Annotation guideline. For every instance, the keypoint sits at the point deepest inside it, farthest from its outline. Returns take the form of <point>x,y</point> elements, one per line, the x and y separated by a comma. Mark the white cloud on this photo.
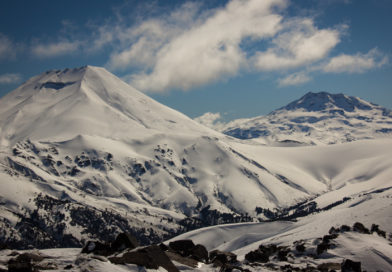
<point>199,51</point>
<point>358,63</point>
<point>294,79</point>
<point>211,120</point>
<point>299,44</point>
<point>55,49</point>
<point>7,48</point>
<point>10,78</point>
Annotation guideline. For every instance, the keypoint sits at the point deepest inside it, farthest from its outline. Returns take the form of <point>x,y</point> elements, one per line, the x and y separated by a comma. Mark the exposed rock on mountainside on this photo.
<point>85,156</point>
<point>317,118</point>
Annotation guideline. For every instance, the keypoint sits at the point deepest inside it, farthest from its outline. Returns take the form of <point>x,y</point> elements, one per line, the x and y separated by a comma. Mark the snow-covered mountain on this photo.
<point>316,118</point>
<point>84,155</point>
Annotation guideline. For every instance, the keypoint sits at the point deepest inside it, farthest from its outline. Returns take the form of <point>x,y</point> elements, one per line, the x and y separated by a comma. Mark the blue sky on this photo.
<point>239,58</point>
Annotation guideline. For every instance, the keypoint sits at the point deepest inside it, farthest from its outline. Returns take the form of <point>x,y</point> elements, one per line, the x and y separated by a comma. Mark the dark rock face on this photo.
<point>350,266</point>
<point>123,241</point>
<point>183,247</point>
<point>151,257</point>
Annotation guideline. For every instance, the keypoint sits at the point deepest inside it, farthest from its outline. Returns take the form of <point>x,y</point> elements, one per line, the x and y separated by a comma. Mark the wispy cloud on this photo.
<point>190,47</point>
<point>10,78</point>
<point>7,47</point>
<point>299,44</point>
<point>205,50</point>
<point>358,63</point>
<point>55,49</point>
<point>294,79</point>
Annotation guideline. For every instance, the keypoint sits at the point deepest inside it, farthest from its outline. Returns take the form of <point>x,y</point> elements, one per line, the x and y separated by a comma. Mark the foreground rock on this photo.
<point>122,241</point>
<point>151,257</point>
<point>351,266</point>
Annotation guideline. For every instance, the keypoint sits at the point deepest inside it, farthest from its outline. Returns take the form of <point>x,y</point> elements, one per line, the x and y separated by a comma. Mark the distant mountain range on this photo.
<point>83,155</point>
<point>316,118</point>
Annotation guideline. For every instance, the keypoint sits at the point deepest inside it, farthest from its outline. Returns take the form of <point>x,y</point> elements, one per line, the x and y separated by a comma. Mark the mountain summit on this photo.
<point>325,101</point>
<point>317,118</point>
<point>84,156</point>
<point>61,104</point>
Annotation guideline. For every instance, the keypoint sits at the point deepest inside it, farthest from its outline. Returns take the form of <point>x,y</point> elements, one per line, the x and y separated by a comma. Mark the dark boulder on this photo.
<point>375,228</point>
<point>359,227</point>
<point>183,247</point>
<point>221,257</point>
<point>282,254</point>
<point>3,246</point>
<point>322,247</point>
<point>328,267</point>
<point>329,237</point>
<point>188,261</point>
<point>124,241</point>
<point>268,249</point>
<point>97,248</point>
<point>199,253</point>
<point>21,263</point>
<point>350,266</point>
<point>151,257</point>
<point>333,230</point>
<point>300,248</point>
<point>163,247</point>
<point>257,256</point>
<point>345,228</point>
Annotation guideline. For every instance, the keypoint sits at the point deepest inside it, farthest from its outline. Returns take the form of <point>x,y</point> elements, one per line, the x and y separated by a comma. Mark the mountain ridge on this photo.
<point>85,100</point>
<point>105,158</point>
<point>316,118</point>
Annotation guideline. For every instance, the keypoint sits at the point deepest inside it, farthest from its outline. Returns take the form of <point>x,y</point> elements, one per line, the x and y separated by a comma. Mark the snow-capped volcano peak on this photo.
<point>84,101</point>
<point>326,101</point>
<point>317,118</point>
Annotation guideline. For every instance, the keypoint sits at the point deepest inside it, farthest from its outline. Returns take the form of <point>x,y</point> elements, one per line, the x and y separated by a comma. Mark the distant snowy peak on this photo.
<point>316,118</point>
<point>325,101</point>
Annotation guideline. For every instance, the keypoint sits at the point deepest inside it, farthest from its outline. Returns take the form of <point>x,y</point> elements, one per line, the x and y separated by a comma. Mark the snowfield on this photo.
<point>84,156</point>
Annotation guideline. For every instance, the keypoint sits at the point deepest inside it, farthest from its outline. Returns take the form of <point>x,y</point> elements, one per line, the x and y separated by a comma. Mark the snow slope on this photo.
<point>374,252</point>
<point>316,118</point>
<point>62,104</point>
<point>85,155</point>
